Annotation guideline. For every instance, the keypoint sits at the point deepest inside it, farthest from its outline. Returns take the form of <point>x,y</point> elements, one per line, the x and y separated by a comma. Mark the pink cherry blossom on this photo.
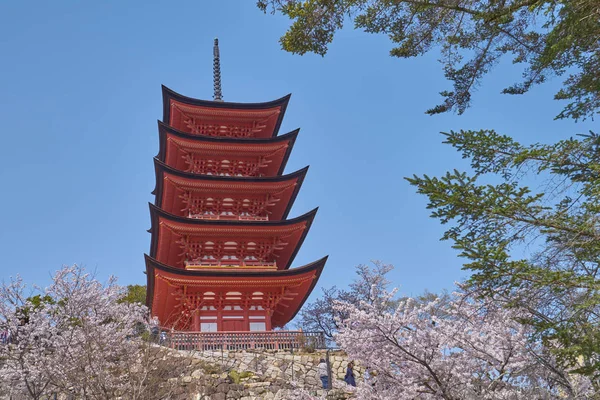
<point>462,350</point>
<point>79,338</point>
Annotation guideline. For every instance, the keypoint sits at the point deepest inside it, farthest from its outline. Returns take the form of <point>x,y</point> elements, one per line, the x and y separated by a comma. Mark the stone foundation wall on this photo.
<point>250,375</point>
<point>252,389</point>
<point>299,368</point>
<point>183,375</point>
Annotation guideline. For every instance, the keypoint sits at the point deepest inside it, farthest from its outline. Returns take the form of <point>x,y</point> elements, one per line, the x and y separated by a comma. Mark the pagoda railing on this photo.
<point>228,217</point>
<point>232,341</point>
<point>231,263</point>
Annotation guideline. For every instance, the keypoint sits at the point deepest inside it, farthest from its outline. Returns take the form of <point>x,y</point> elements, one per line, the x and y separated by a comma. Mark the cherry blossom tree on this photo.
<point>73,337</point>
<point>473,350</point>
<point>369,285</point>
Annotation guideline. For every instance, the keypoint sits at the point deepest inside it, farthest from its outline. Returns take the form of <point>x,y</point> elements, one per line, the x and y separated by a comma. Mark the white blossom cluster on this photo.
<point>73,337</point>
<point>462,350</point>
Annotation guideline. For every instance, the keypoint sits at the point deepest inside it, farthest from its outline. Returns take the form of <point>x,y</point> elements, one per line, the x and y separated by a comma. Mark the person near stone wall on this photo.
<point>322,369</point>
<point>349,378</point>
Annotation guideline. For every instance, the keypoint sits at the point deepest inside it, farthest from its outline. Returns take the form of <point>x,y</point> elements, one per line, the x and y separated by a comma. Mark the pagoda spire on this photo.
<point>218,95</point>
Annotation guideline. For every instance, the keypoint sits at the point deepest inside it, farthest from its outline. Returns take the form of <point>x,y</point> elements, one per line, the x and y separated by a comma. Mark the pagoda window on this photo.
<point>258,326</point>
<point>208,327</point>
<point>257,296</point>
<point>233,308</point>
<point>208,296</point>
<point>233,296</point>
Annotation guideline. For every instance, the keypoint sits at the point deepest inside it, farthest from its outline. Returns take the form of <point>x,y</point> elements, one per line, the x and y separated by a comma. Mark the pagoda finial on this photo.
<point>218,96</point>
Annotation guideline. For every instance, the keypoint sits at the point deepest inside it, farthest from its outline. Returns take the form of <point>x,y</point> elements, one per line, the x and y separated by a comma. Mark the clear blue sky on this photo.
<point>80,84</point>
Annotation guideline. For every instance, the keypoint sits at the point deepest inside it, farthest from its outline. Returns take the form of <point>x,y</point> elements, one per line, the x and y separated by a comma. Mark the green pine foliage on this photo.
<point>135,294</point>
<point>537,248</point>
<point>549,37</point>
<point>525,218</point>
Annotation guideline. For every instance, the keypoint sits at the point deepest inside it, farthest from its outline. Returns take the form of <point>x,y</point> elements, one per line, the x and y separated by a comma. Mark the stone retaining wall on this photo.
<point>270,375</point>
<point>183,375</point>
<point>299,368</point>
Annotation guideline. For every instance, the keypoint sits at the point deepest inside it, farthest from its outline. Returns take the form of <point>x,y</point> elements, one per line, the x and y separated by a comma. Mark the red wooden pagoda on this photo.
<point>222,245</point>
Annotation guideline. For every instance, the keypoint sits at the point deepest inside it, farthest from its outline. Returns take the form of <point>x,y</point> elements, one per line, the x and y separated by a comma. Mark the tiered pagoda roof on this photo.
<point>224,155</point>
<point>218,118</point>
<point>177,240</point>
<point>282,291</point>
<point>218,197</point>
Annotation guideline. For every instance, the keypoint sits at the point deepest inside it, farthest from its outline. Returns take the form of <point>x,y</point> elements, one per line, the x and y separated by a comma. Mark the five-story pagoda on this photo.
<point>222,245</point>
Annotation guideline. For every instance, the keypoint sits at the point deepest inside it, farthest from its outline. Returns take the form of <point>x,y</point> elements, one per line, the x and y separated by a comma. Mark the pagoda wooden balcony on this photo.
<point>233,341</point>
<point>226,217</point>
<point>242,264</point>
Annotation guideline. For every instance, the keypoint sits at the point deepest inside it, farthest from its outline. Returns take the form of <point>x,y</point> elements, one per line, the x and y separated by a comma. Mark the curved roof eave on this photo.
<point>152,264</point>
<point>164,129</point>
<point>318,265</point>
<point>156,212</point>
<point>311,288</point>
<point>160,167</point>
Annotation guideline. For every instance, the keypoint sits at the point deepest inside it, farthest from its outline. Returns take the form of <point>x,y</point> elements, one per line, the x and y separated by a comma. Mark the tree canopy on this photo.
<point>549,37</point>
<point>474,349</point>
<point>533,248</point>
<point>73,337</point>
<point>135,294</point>
<point>369,286</point>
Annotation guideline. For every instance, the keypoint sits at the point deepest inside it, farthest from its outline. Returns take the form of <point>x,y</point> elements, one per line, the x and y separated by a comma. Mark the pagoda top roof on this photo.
<point>297,228</point>
<point>278,106</point>
<point>303,279</point>
<point>290,184</point>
